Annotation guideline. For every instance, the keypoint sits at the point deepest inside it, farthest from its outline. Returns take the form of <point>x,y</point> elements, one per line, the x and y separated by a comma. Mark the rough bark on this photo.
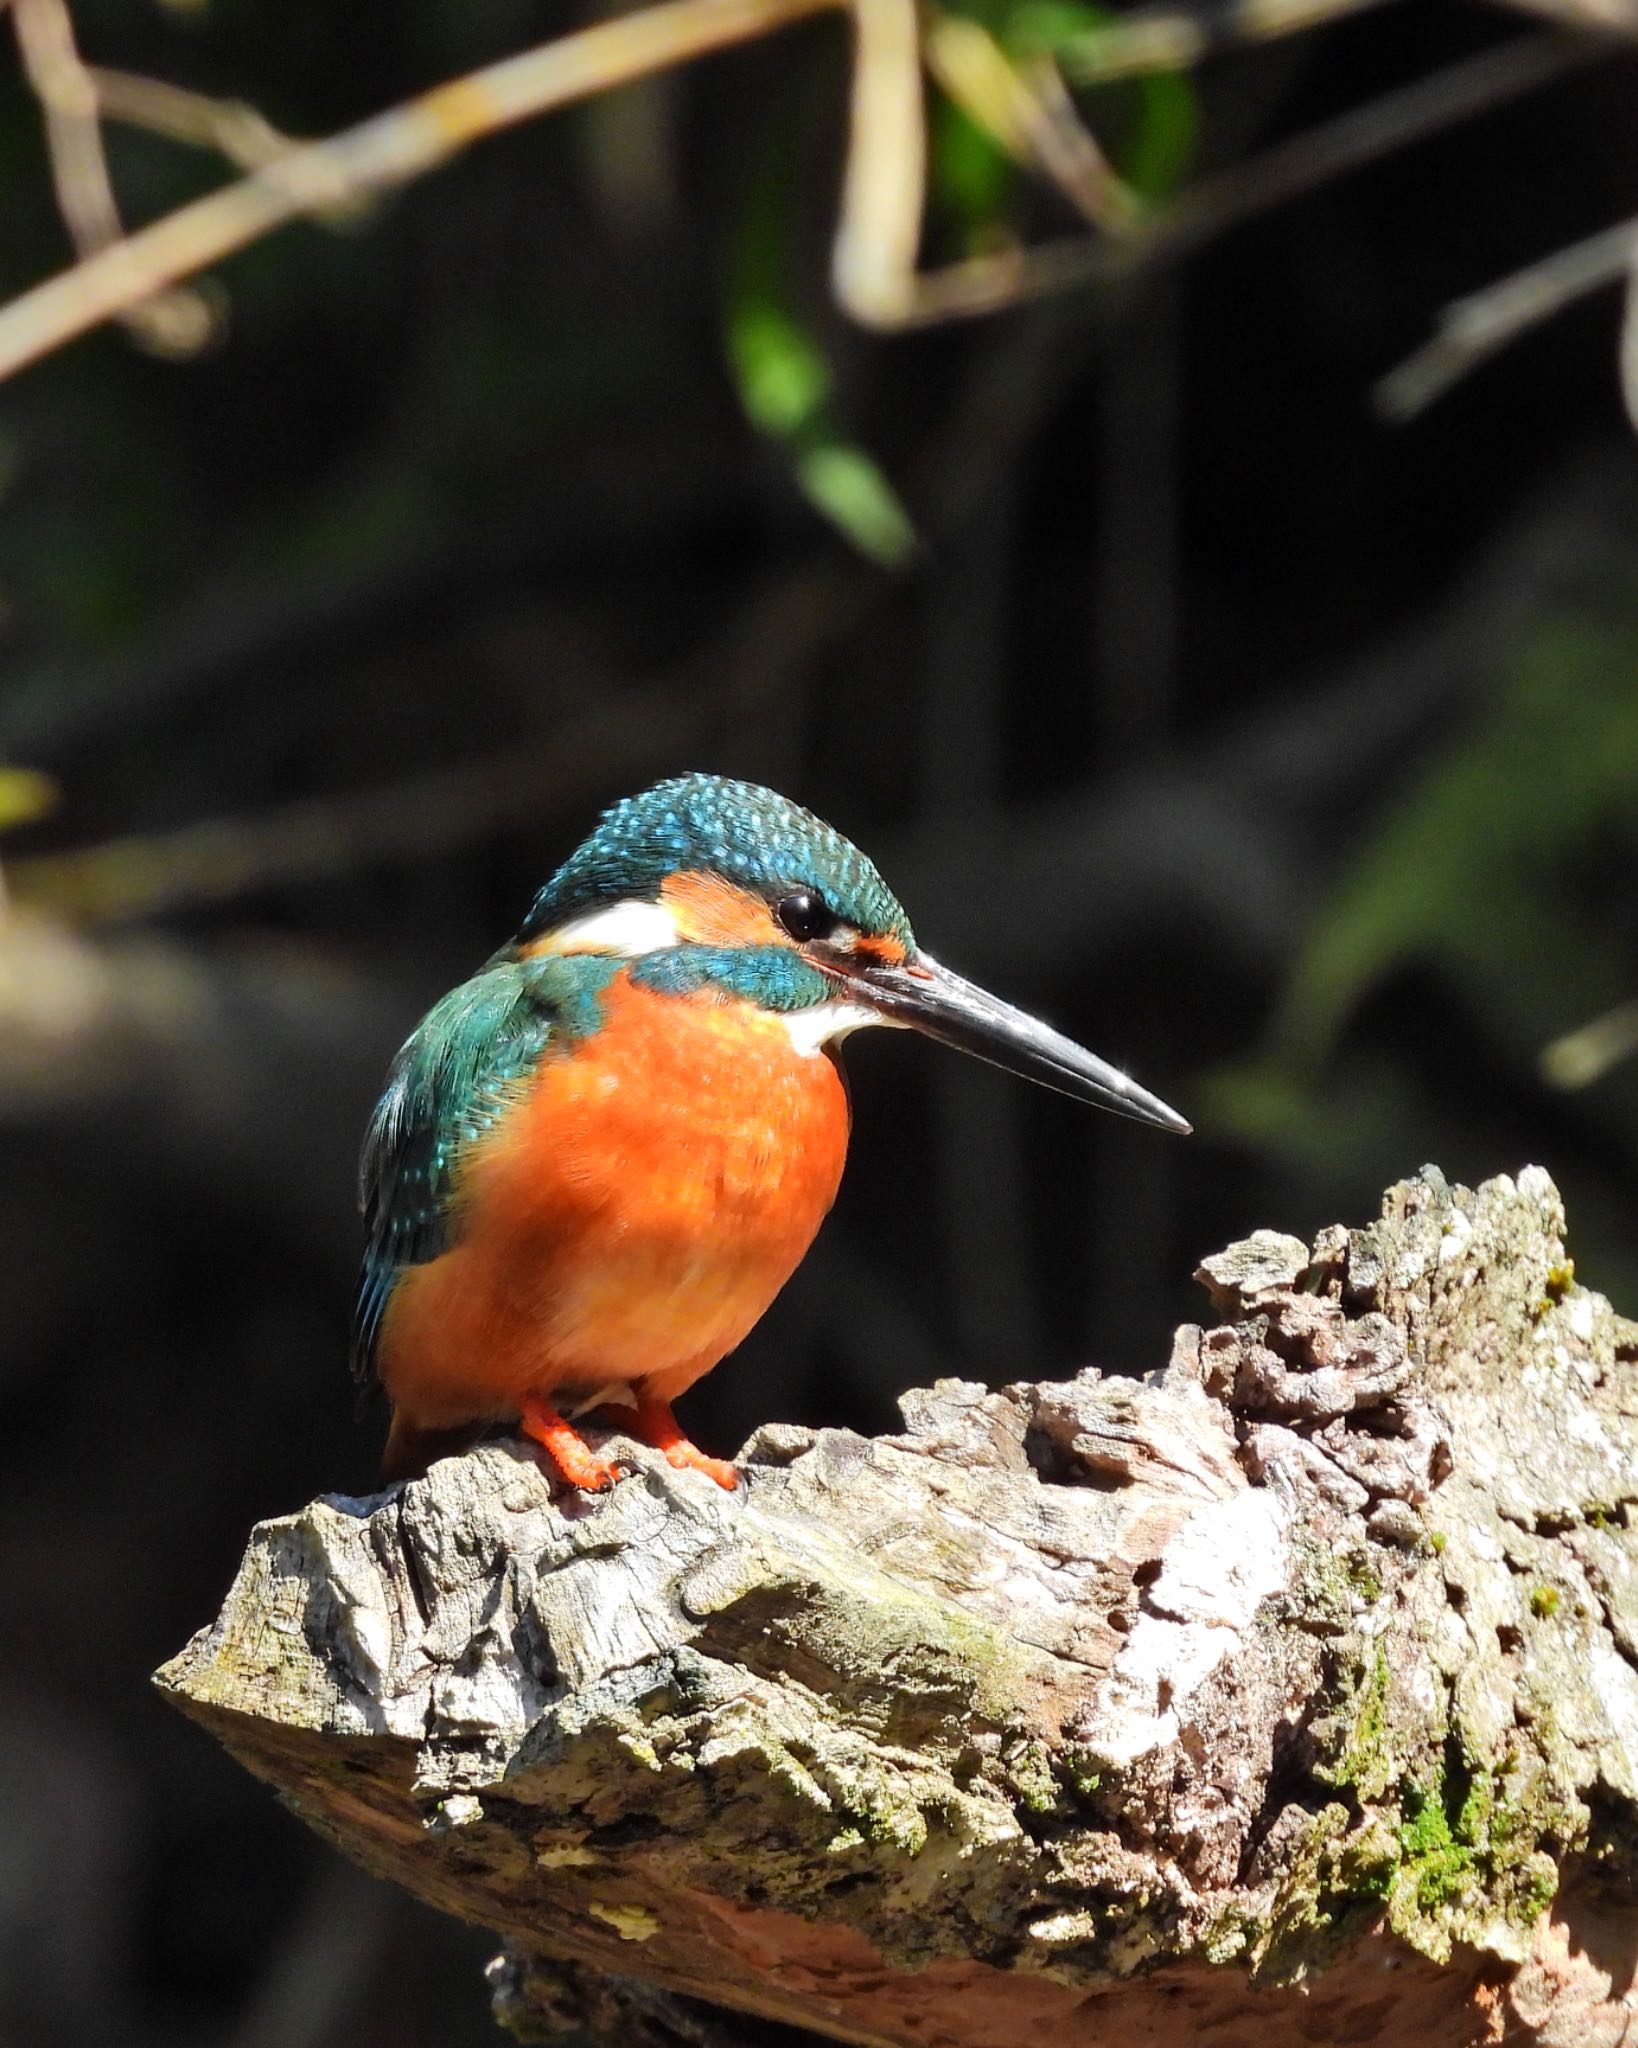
<point>1290,1693</point>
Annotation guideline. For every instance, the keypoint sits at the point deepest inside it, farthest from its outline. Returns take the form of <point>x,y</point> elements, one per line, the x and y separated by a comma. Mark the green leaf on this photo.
<point>1161,150</point>
<point>849,488</point>
<point>786,385</point>
<point>1155,129</point>
<point>25,794</point>
<point>782,377</point>
<point>972,175</point>
<point>1043,27</point>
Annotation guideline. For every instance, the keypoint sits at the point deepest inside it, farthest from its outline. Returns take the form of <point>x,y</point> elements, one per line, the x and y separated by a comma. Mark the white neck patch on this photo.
<point>823,1024</point>
<point>628,929</point>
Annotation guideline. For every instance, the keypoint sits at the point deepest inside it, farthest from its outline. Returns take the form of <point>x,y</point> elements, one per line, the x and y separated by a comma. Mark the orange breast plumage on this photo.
<point>637,1206</point>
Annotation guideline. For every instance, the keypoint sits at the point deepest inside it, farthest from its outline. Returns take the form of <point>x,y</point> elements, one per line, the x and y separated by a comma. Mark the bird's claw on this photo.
<point>687,1457</point>
<point>568,1455</point>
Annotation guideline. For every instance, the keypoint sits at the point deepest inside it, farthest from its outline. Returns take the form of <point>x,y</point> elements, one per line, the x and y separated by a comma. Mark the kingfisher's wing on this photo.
<point>445,1091</point>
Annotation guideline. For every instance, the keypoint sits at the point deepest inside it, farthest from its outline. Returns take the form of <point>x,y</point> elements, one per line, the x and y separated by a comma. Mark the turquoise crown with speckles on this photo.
<point>708,824</point>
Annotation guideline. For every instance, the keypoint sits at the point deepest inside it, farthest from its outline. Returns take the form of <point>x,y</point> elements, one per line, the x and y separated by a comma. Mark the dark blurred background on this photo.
<point>1283,755</point>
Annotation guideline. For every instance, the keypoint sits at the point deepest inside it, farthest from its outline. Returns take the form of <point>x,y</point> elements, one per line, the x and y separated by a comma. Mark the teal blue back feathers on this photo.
<point>446,1088</point>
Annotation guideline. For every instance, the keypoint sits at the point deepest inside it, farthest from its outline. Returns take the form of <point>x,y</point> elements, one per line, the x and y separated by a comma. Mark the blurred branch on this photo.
<point>175,321</point>
<point>1168,38</point>
<point>874,266</point>
<point>1028,111</point>
<point>876,280</point>
<point>1629,347</point>
<point>1588,1053</point>
<point>236,131</point>
<point>1617,17</point>
<point>628,738</point>
<point>1214,204</point>
<point>388,150</point>
<point>1475,328</point>
<point>1365,134</point>
<point>25,795</point>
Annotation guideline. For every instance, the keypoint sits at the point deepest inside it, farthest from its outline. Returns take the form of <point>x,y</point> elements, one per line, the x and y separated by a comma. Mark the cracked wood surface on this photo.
<point>1290,1692</point>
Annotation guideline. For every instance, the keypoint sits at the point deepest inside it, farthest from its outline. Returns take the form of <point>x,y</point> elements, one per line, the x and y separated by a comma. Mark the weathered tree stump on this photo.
<point>1287,1695</point>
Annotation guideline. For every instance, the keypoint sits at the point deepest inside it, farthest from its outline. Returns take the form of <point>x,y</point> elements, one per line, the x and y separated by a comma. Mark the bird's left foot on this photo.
<point>655,1425</point>
<point>572,1457</point>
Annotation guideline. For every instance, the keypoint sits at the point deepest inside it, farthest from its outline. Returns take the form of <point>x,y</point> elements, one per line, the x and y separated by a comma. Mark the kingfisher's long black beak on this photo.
<point>930,999</point>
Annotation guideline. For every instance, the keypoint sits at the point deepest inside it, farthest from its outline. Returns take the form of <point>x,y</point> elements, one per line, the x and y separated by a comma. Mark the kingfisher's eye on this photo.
<point>806,915</point>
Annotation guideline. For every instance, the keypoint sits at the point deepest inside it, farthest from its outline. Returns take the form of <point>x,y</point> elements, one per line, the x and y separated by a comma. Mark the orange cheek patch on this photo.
<point>712,911</point>
<point>880,951</point>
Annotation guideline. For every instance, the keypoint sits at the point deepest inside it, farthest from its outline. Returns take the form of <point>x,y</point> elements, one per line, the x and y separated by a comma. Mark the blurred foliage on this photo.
<point>1577,1059</point>
<point>783,373</point>
<point>1150,127</point>
<point>1479,869</point>
<point>1149,124</point>
<point>972,176</point>
<point>786,386</point>
<point>25,796</point>
<point>1497,878</point>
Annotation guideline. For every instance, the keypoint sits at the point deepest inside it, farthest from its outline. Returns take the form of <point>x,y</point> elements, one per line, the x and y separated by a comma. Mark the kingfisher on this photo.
<point>597,1162</point>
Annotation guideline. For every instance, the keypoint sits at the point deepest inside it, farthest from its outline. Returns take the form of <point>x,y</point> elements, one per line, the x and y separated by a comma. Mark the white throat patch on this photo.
<point>825,1023</point>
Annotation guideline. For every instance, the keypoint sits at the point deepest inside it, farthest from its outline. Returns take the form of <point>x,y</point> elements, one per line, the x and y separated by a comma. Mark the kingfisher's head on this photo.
<point>707,883</point>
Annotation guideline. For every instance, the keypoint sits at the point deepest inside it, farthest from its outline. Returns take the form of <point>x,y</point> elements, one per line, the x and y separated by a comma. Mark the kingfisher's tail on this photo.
<point>411,1449</point>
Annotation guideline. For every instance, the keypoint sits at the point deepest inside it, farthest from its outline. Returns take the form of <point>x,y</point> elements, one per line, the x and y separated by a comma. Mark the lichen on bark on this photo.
<point>1111,1707</point>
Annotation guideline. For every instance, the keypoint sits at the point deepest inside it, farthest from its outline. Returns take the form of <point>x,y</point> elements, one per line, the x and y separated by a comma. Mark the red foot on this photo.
<point>655,1424</point>
<point>568,1450</point>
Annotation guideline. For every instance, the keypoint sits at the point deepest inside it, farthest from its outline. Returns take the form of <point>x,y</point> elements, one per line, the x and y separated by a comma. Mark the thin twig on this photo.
<point>1586,1055</point>
<point>1475,328</point>
<point>171,322</point>
<point>884,184</point>
<point>1601,17</point>
<point>874,266</point>
<point>234,130</point>
<point>1067,153</point>
<point>377,155</point>
<point>1168,38</point>
<point>1365,134</point>
<point>1215,204</point>
<point>1629,348</point>
<point>628,738</point>
<point>1028,111</point>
